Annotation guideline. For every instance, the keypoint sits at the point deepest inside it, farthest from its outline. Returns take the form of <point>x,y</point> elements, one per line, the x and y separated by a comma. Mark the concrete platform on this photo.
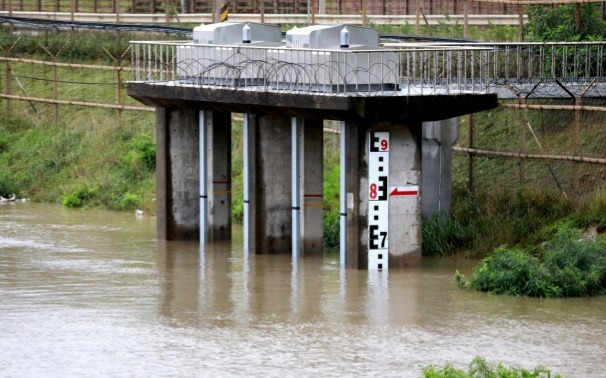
<point>371,108</point>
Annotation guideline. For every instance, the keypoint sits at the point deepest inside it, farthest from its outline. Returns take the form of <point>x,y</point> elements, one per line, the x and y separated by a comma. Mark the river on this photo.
<point>89,292</point>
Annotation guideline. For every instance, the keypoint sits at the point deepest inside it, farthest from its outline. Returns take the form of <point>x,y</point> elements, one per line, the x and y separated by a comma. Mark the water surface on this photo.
<point>93,293</point>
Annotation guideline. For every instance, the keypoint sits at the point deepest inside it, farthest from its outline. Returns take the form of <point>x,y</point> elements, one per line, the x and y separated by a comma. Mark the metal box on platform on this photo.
<point>335,58</point>
<point>222,64</point>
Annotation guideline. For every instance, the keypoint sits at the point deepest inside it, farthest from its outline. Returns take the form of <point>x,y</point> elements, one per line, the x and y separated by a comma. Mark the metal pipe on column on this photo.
<point>246,168</point>
<point>296,126</point>
<point>342,197</point>
<point>203,150</point>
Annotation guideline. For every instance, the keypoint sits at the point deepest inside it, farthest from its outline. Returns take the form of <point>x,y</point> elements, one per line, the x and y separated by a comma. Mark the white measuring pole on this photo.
<point>203,148</point>
<point>343,197</point>
<point>296,126</point>
<point>378,204</point>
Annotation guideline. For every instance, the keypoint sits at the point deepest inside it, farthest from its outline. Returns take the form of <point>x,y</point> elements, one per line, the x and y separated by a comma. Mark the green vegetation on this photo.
<point>81,161</point>
<point>480,368</point>
<point>565,266</point>
<point>482,221</point>
<point>449,29</point>
<point>559,24</point>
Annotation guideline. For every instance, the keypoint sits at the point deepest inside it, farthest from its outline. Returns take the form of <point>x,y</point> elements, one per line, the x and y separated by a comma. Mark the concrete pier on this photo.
<point>271,188</point>
<point>438,139</point>
<point>311,184</point>
<point>177,174</point>
<point>395,241</point>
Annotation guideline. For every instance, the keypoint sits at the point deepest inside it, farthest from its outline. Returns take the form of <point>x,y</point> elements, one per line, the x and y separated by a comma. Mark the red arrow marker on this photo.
<point>411,190</point>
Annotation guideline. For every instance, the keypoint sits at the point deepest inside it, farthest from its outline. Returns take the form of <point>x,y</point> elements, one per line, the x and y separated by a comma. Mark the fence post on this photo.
<point>7,88</point>
<point>118,64</point>
<point>470,161</point>
<point>522,141</point>
<point>576,145</point>
<point>466,19</point>
<point>418,18</point>
<point>521,22</point>
<point>7,74</point>
<point>55,78</point>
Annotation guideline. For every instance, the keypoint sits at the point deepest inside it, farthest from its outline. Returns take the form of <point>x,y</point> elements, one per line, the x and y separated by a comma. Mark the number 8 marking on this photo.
<point>373,191</point>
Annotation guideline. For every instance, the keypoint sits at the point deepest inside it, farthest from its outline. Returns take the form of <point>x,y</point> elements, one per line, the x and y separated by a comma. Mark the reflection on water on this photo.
<point>93,292</point>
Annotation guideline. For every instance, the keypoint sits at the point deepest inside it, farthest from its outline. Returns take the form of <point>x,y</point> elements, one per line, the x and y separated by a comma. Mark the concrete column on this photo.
<point>404,220</point>
<point>270,184</point>
<point>177,174</point>
<point>356,179</point>
<point>438,139</point>
<point>404,211</point>
<point>219,175</point>
<point>312,189</point>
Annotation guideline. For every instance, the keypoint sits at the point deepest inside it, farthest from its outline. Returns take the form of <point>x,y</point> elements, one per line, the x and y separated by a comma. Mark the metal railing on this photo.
<point>508,69</point>
<point>541,70</point>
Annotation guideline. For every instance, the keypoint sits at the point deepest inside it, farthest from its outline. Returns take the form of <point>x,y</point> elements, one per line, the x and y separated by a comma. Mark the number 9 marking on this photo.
<point>384,145</point>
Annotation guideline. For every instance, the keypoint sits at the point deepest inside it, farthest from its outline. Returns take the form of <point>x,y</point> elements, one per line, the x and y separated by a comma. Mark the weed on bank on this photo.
<point>480,368</point>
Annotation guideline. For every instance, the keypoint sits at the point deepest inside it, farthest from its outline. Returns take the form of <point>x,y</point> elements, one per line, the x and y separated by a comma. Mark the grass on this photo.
<point>482,221</point>
<point>480,368</point>
<point>449,29</point>
<point>80,161</point>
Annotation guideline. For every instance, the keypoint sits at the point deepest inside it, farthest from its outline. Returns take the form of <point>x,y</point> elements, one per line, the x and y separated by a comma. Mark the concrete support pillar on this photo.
<point>219,175</point>
<point>177,174</point>
<point>354,247</point>
<point>438,139</point>
<point>401,189</point>
<point>311,169</point>
<point>269,223</point>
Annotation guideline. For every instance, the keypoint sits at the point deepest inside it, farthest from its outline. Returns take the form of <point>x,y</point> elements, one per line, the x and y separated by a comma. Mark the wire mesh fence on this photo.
<point>571,143</point>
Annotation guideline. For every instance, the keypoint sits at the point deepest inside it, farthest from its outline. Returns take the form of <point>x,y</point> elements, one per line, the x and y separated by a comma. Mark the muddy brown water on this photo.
<point>93,293</point>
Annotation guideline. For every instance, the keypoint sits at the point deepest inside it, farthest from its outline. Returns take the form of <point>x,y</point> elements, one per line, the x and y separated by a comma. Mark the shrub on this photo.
<point>145,146</point>
<point>6,184</point>
<point>79,196</point>
<point>141,156</point>
<point>570,267</point>
<point>130,201</point>
<point>332,229</point>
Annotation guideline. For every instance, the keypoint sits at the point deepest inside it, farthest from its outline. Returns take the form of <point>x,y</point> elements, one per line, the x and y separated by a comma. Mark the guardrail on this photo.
<point>508,69</point>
